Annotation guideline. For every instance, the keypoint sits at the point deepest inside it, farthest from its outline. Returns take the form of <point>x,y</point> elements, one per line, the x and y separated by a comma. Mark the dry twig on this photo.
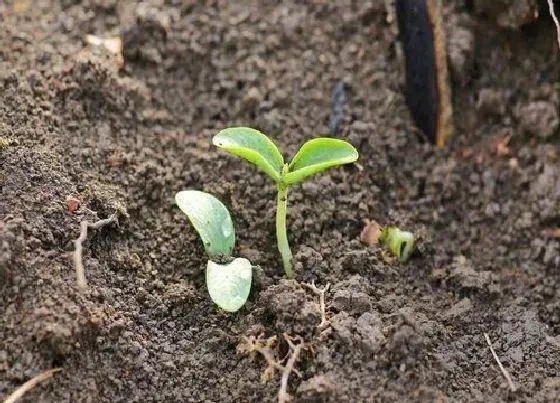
<point>283,395</point>
<point>555,19</point>
<point>30,384</point>
<point>321,292</point>
<point>84,226</point>
<point>504,372</point>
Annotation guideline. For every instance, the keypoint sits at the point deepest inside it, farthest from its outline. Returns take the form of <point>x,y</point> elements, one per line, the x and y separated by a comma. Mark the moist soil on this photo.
<point>123,134</point>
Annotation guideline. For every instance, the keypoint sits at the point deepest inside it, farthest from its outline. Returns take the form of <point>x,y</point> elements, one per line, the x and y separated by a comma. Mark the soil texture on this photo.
<point>85,133</point>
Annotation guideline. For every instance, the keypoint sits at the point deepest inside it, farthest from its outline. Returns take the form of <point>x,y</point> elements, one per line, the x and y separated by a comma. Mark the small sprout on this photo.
<point>313,157</point>
<point>400,243</point>
<point>228,281</point>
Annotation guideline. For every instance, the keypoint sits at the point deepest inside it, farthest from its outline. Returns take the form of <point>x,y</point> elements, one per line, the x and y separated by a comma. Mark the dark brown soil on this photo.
<point>72,123</point>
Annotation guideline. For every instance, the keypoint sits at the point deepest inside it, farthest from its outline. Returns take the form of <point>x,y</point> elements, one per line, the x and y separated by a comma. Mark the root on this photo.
<point>555,19</point>
<point>84,226</point>
<point>295,349</point>
<point>504,372</point>
<point>30,384</point>
<point>252,345</point>
<point>321,292</point>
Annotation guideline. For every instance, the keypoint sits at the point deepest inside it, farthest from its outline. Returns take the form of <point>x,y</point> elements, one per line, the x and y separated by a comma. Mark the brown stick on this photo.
<point>321,292</point>
<point>555,19</point>
<point>504,372</point>
<point>30,384</point>
<point>84,225</point>
<point>283,395</point>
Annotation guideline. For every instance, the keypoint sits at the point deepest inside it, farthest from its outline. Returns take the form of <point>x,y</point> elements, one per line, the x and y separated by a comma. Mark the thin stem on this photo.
<point>281,234</point>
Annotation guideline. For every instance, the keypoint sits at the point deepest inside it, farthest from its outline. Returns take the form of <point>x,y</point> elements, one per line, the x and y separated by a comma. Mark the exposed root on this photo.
<point>321,292</point>
<point>84,226</point>
<point>504,372</point>
<point>252,345</point>
<point>30,384</point>
<point>555,19</point>
<point>295,349</point>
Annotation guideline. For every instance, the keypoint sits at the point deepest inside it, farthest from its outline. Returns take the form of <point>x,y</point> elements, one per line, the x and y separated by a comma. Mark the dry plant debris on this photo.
<point>553,233</point>
<point>113,44</point>
<point>295,349</point>
<point>321,293</point>
<point>30,384</point>
<point>252,345</point>
<point>504,372</point>
<point>78,263</point>
<point>555,19</point>
<point>370,233</point>
<point>501,145</point>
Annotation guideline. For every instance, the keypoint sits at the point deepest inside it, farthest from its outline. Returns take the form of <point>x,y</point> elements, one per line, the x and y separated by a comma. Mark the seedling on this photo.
<point>400,243</point>
<point>228,279</point>
<point>314,156</point>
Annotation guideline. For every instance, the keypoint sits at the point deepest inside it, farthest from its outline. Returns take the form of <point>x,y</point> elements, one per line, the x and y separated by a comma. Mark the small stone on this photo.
<point>351,301</point>
<point>468,277</point>
<point>459,309</point>
<point>513,164</point>
<point>316,387</point>
<point>344,327</point>
<point>490,102</point>
<point>369,327</point>
<point>253,96</point>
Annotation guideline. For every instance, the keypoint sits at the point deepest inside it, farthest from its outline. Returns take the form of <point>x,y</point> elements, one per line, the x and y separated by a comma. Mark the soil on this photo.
<point>122,136</point>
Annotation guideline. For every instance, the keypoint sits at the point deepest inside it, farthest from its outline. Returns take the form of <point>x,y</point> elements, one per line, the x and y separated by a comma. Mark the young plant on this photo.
<point>314,156</point>
<point>400,243</point>
<point>228,280</point>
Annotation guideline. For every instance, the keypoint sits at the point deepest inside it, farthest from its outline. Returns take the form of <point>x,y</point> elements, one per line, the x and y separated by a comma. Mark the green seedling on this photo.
<point>228,280</point>
<point>400,243</point>
<point>314,156</point>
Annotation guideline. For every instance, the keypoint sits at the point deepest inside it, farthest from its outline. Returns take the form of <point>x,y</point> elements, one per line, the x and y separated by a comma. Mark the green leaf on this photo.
<point>229,284</point>
<point>253,146</point>
<point>317,155</point>
<point>211,219</point>
<point>400,243</point>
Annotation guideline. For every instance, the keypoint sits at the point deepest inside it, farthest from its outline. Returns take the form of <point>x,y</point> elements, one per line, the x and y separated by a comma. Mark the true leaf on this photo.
<point>211,220</point>
<point>229,284</point>
<point>317,155</point>
<point>253,146</point>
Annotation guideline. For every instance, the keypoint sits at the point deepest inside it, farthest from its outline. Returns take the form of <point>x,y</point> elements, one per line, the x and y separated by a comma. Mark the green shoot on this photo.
<point>400,243</point>
<point>228,280</point>
<point>313,157</point>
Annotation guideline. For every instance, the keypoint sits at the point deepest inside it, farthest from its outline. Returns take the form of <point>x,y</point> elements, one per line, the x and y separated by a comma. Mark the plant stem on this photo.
<point>281,234</point>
